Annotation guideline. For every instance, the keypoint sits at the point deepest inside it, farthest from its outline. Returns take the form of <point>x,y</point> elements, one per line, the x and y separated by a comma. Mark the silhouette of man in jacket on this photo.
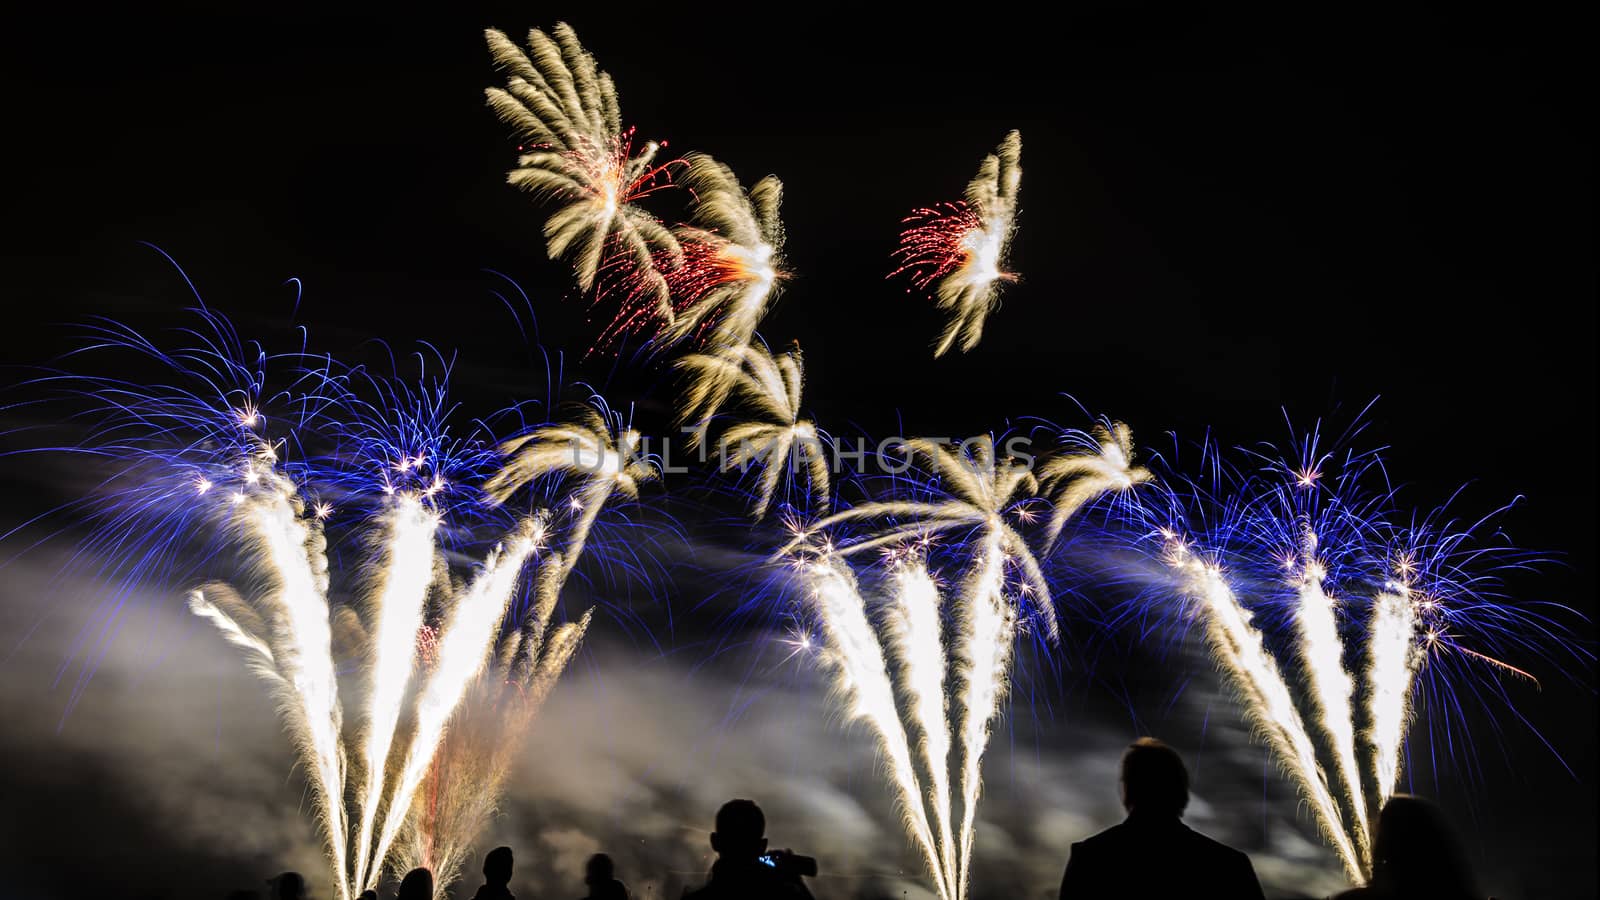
<point>1152,853</point>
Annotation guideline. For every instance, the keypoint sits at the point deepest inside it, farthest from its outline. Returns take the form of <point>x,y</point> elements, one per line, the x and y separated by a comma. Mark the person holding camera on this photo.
<point>744,870</point>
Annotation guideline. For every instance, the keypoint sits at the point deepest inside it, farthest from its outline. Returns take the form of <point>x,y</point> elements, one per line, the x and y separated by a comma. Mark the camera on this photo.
<point>790,864</point>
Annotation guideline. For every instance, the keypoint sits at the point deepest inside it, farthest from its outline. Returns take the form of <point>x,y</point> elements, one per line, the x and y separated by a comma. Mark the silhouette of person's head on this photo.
<point>497,867</point>
<point>288,886</point>
<point>1154,780</point>
<point>417,885</point>
<point>599,870</point>
<point>741,831</point>
<point>368,894</point>
<point>1417,853</point>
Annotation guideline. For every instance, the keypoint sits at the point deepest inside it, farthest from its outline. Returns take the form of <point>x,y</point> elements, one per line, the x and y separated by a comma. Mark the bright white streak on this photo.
<point>1392,664</point>
<point>293,554</point>
<point>1331,688</point>
<point>1237,648</point>
<point>863,679</point>
<point>408,570</point>
<point>918,648</point>
<point>983,649</point>
<point>982,267</point>
<point>261,660</point>
<point>464,645</point>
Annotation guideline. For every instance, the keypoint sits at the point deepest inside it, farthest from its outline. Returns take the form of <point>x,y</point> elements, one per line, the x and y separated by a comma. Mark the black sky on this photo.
<point>1225,217</point>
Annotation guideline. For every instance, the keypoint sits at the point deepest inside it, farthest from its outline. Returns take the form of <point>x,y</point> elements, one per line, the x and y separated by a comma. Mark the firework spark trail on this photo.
<point>293,553</point>
<point>1237,647</point>
<point>407,572</point>
<point>1393,661</point>
<point>1332,688</point>
<point>963,246</point>
<point>863,678</point>
<point>983,647</point>
<point>464,646</point>
<point>917,644</point>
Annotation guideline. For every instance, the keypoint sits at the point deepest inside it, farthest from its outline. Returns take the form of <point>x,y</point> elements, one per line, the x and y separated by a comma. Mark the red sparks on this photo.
<point>705,265</point>
<point>606,180</point>
<point>428,644</point>
<point>937,242</point>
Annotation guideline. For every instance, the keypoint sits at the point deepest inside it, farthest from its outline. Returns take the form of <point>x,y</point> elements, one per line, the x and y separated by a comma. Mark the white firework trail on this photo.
<point>917,644</point>
<point>293,553</point>
<point>855,654</point>
<point>1332,687</point>
<point>464,645</point>
<point>1393,660</point>
<point>1238,649</point>
<point>407,571</point>
<point>204,604</point>
<point>983,648</point>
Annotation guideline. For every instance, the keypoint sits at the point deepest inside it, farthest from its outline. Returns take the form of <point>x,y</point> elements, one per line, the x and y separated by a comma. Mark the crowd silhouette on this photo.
<point>1150,854</point>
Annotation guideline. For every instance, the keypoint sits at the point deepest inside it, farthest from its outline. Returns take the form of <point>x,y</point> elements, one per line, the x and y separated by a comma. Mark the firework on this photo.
<point>771,385</point>
<point>1301,554</point>
<point>940,798</point>
<point>579,155</point>
<point>1394,655</point>
<point>982,490</point>
<point>1332,688</point>
<point>465,783</point>
<point>1238,649</point>
<point>595,446</point>
<point>1074,479</point>
<point>961,248</point>
<point>200,442</point>
<point>857,657</point>
<point>407,571</point>
<point>732,256</point>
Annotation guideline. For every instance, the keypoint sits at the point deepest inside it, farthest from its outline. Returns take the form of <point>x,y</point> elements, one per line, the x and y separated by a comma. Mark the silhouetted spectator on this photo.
<point>1152,853</point>
<point>739,872</point>
<point>288,886</point>
<point>417,885</point>
<point>368,894</point>
<point>496,876</point>
<point>1416,854</point>
<point>600,874</point>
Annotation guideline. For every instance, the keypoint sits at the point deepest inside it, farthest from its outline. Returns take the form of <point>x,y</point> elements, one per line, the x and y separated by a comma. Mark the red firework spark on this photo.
<point>937,242</point>
<point>606,171</point>
<point>428,645</point>
<point>636,290</point>
<point>704,265</point>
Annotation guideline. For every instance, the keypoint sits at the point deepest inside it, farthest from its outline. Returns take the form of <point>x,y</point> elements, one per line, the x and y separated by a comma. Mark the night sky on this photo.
<point>1226,220</point>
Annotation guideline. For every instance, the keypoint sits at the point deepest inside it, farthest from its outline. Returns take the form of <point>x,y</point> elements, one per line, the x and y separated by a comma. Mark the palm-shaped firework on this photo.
<point>732,250</point>
<point>771,385</point>
<point>962,247</point>
<point>982,490</point>
<point>596,447</point>
<point>578,154</point>
<point>1073,479</point>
